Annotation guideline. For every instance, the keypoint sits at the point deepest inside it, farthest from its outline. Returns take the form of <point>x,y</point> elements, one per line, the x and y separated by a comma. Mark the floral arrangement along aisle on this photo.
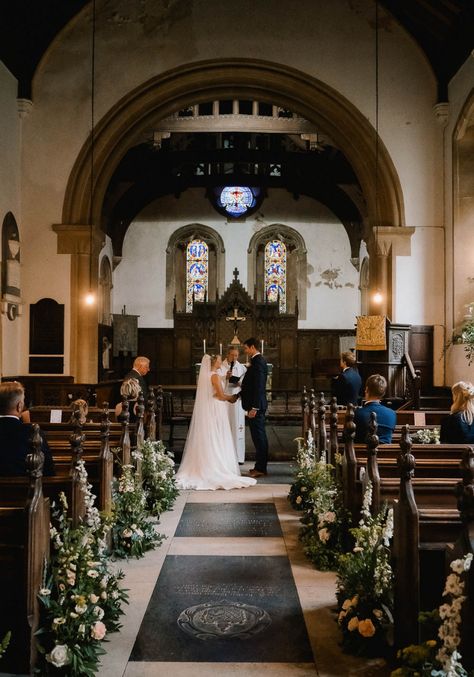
<point>158,477</point>
<point>317,492</point>
<point>365,584</point>
<point>81,598</point>
<point>441,658</point>
<point>132,531</point>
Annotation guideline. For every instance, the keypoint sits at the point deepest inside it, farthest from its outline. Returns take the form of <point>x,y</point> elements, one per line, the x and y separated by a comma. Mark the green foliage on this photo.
<point>365,585</point>
<point>426,436</point>
<point>158,477</point>
<point>4,643</point>
<point>303,483</point>
<point>325,521</point>
<point>81,599</point>
<point>132,532</point>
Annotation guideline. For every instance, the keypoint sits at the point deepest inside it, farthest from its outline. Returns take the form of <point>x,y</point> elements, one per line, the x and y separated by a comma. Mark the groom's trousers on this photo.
<point>259,439</point>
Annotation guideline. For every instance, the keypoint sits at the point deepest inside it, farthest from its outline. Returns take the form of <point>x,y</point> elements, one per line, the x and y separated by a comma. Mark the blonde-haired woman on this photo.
<point>130,389</point>
<point>458,428</point>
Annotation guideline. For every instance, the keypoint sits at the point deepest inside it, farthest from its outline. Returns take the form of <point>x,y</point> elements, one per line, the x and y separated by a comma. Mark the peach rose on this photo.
<point>98,630</point>
<point>353,624</point>
<point>366,628</point>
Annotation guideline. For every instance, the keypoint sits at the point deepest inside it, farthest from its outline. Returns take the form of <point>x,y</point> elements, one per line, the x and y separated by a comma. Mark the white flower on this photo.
<point>59,621</point>
<point>330,516</point>
<point>98,612</point>
<point>80,608</point>
<point>103,595</point>
<point>92,573</point>
<point>126,533</point>
<point>45,592</point>
<point>59,656</point>
<point>93,598</point>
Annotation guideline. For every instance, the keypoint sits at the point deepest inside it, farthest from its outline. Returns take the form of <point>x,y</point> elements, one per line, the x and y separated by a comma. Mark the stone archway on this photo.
<point>198,82</point>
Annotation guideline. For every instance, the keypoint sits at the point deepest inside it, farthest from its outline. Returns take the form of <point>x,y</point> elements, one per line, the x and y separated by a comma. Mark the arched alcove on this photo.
<point>176,264</point>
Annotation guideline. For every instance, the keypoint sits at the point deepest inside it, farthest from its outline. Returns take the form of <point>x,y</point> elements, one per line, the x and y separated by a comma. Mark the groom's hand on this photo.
<point>252,413</point>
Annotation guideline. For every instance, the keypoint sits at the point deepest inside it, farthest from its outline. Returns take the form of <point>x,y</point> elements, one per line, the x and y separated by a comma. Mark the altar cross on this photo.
<point>235,318</point>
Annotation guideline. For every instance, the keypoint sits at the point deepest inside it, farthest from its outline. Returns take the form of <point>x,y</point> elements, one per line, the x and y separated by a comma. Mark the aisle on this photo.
<point>230,593</point>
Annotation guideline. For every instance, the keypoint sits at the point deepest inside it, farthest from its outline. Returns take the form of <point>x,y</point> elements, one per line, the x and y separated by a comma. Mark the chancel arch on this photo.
<point>130,120</point>
<point>296,265</point>
<point>176,264</point>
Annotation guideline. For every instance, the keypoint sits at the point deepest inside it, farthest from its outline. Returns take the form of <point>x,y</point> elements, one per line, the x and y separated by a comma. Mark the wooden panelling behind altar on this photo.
<point>299,357</point>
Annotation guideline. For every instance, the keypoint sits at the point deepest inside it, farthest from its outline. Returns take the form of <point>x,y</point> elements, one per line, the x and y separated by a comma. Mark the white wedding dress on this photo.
<point>209,460</point>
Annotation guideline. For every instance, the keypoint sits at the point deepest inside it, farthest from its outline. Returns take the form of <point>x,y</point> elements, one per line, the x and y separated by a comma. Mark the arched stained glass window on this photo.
<point>275,272</point>
<point>197,272</point>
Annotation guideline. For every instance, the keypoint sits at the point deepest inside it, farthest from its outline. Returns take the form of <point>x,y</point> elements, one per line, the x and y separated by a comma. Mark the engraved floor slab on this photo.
<point>224,609</point>
<point>229,519</point>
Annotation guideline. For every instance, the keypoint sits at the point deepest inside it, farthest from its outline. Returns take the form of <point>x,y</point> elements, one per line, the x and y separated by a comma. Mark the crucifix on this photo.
<point>235,319</point>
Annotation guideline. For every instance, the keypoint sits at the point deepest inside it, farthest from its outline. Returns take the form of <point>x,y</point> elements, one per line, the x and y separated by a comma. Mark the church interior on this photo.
<point>177,176</point>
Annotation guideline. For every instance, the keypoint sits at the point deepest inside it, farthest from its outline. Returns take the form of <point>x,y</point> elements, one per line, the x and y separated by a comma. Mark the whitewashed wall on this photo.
<point>140,278</point>
<point>10,136</point>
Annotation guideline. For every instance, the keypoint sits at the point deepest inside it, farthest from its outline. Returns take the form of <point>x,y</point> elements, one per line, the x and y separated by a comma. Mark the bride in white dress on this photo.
<point>209,459</point>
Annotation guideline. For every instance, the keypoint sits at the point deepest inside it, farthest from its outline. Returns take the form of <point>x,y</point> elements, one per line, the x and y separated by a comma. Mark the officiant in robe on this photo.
<point>232,373</point>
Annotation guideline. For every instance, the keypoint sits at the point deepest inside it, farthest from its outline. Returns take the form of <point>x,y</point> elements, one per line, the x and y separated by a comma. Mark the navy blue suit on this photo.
<point>253,396</point>
<point>454,430</point>
<point>15,445</point>
<point>347,387</point>
<point>133,373</point>
<point>386,422</point>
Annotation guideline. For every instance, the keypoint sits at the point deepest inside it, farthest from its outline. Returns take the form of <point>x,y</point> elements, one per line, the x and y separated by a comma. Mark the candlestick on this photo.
<point>204,346</point>
<point>261,346</point>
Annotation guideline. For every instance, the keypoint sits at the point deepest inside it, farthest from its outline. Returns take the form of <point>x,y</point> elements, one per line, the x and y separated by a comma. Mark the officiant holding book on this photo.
<point>232,373</point>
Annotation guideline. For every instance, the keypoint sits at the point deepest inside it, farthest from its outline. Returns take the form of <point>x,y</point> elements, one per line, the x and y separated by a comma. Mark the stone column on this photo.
<point>76,240</point>
<point>386,244</point>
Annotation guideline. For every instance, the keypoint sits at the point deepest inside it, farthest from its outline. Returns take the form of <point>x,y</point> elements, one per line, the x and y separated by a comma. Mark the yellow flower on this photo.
<point>346,604</point>
<point>298,500</point>
<point>431,642</point>
<point>355,600</point>
<point>366,628</point>
<point>342,615</point>
<point>353,624</point>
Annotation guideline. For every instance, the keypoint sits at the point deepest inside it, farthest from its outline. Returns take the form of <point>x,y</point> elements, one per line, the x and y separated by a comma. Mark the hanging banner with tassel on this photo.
<point>370,332</point>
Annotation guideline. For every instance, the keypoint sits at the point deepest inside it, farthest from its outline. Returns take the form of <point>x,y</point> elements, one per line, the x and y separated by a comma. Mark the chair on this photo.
<point>170,418</point>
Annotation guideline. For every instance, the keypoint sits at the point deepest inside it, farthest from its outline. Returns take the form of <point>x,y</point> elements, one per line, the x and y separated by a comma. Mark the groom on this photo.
<point>254,402</point>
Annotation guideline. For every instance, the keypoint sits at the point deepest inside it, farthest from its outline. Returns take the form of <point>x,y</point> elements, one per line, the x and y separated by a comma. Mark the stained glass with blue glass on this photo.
<point>237,200</point>
<point>197,272</point>
<point>275,273</point>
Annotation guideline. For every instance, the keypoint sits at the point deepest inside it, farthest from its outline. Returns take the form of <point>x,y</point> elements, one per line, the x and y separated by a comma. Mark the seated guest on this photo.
<point>130,389</point>
<point>458,428</point>
<point>347,386</point>
<point>82,407</point>
<point>375,388</point>
<point>15,436</point>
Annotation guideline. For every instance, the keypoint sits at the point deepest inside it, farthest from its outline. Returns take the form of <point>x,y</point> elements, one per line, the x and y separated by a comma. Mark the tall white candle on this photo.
<point>220,348</point>
<point>261,346</point>
<point>204,346</point>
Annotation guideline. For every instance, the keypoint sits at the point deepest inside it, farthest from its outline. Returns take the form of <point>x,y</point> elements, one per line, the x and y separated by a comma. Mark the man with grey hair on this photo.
<point>15,436</point>
<point>141,367</point>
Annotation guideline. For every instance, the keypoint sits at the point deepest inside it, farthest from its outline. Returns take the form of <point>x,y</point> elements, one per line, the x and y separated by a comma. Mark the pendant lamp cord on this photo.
<point>376,138</point>
<point>92,139</point>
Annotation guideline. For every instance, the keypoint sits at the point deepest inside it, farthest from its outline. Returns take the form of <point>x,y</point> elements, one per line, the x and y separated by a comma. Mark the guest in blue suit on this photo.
<point>347,387</point>
<point>15,436</point>
<point>254,402</point>
<point>375,388</point>
<point>458,428</point>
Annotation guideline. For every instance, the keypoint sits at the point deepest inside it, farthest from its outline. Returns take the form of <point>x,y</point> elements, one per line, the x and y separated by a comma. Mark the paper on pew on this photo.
<point>56,416</point>
<point>419,418</point>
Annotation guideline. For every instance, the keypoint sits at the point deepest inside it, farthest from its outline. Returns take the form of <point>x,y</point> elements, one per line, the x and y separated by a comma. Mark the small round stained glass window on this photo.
<point>236,200</point>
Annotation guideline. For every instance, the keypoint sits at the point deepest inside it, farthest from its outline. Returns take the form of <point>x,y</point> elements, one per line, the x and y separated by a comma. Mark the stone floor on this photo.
<point>261,554</point>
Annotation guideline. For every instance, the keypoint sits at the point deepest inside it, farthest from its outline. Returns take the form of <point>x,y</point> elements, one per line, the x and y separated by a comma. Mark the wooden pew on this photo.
<point>421,535</point>
<point>24,547</point>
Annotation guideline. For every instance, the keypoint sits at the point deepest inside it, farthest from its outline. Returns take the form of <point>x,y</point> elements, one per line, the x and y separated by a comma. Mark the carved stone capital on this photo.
<point>78,238</point>
<point>394,239</point>
<point>24,107</point>
<point>441,113</point>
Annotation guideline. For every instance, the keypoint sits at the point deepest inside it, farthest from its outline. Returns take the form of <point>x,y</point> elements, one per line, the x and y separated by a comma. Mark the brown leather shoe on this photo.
<point>256,473</point>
